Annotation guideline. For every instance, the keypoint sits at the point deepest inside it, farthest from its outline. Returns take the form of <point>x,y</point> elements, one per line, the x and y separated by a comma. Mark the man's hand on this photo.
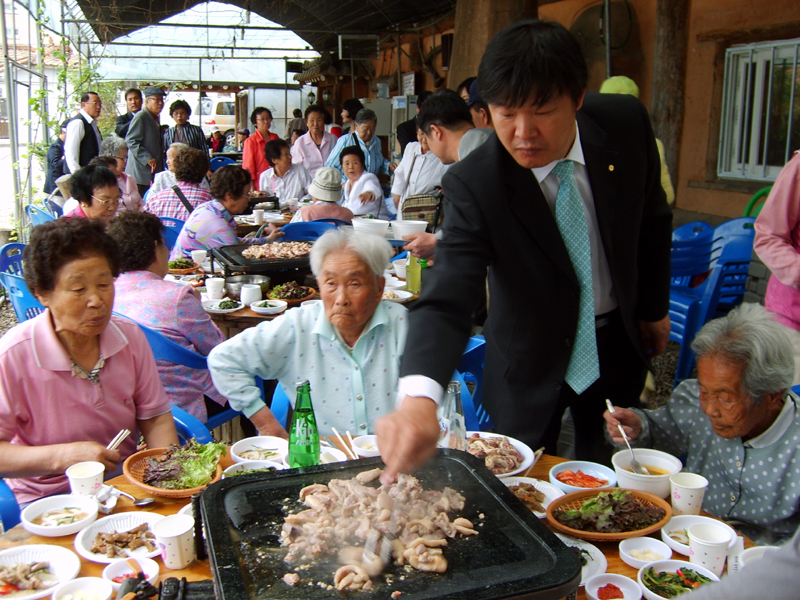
<point>408,436</point>
<point>396,200</point>
<point>366,197</point>
<point>392,167</point>
<point>655,335</point>
<point>152,163</point>
<point>267,424</point>
<point>421,245</point>
<point>628,419</point>
<point>76,452</point>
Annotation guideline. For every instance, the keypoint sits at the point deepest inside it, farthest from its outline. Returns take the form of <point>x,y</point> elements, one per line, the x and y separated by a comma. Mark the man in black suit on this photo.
<point>564,205</point>
<point>133,99</point>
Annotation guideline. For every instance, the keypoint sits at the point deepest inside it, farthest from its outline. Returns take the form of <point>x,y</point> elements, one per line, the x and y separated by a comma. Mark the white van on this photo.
<point>219,112</point>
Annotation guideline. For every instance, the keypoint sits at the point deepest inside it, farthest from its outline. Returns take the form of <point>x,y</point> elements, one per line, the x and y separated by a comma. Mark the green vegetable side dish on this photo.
<point>228,304</point>
<point>288,291</point>
<point>247,472</point>
<point>669,585</point>
<point>184,467</point>
<point>181,263</point>
<point>611,512</point>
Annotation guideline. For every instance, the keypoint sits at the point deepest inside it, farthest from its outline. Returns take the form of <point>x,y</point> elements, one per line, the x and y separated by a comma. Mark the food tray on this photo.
<point>574,501</point>
<point>134,466</point>
<point>514,555</point>
<point>231,258</point>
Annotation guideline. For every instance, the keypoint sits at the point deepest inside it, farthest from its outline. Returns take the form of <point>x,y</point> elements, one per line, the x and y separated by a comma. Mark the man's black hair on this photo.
<point>446,109</point>
<point>422,97</point>
<point>532,61</point>
<point>464,85</point>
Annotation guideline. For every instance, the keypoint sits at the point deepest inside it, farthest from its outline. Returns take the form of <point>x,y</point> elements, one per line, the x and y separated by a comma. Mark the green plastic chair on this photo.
<point>757,202</point>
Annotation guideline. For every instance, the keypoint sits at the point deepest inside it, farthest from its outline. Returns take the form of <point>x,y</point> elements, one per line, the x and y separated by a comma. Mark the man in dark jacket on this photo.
<point>54,163</point>
<point>133,98</point>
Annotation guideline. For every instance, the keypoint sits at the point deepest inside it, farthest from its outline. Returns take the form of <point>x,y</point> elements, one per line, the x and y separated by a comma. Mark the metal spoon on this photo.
<point>636,466</point>
<point>137,502</point>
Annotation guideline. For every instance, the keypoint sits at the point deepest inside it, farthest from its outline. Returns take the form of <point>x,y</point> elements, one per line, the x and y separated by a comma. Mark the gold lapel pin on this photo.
<point>610,167</point>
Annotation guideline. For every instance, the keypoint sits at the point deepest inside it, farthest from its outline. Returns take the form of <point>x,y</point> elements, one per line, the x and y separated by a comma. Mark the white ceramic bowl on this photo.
<point>273,307</point>
<point>393,283</point>
<point>374,226</point>
<point>589,468</point>
<point>361,441</point>
<point>627,586</point>
<point>120,567</point>
<point>252,465</point>
<point>86,504</point>
<point>682,523</point>
<point>401,228</point>
<point>753,555</point>
<point>642,543</point>
<point>331,455</point>
<point>97,587</point>
<point>280,445</point>
<point>400,268</point>
<point>670,566</point>
<point>654,484</point>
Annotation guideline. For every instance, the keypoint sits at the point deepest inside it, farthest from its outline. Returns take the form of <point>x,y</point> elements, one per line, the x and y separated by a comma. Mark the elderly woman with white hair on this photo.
<point>364,137</point>
<point>738,424</point>
<point>117,147</point>
<point>349,347</point>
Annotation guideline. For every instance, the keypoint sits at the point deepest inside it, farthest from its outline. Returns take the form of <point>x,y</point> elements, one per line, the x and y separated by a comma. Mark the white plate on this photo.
<point>63,564</point>
<point>550,491</point>
<point>403,295</point>
<point>119,523</point>
<point>206,266</point>
<point>684,522</point>
<point>210,306</point>
<point>595,565</point>
<point>527,454</point>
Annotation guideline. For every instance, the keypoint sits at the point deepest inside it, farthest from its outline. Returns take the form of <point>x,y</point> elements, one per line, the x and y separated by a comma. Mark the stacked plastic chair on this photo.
<point>220,161</point>
<point>692,253</point>
<point>172,228</point>
<point>25,304</point>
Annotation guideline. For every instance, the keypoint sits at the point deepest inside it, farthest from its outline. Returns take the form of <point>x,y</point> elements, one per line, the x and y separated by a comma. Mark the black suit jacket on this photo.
<point>496,216</point>
<point>121,124</point>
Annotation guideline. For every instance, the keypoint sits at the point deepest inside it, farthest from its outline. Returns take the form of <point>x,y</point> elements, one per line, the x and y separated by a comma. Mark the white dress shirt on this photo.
<point>417,173</point>
<point>74,136</point>
<point>604,299</point>
<point>293,184</point>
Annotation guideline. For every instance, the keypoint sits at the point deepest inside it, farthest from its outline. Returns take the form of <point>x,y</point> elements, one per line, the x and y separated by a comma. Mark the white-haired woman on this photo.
<point>349,347</point>
<point>738,423</point>
<point>130,199</point>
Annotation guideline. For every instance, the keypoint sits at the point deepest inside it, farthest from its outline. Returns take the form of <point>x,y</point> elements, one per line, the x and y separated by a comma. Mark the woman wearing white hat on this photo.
<point>325,191</point>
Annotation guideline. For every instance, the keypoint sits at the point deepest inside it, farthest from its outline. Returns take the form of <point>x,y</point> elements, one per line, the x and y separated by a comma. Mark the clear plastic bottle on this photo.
<point>452,429</point>
<point>303,433</point>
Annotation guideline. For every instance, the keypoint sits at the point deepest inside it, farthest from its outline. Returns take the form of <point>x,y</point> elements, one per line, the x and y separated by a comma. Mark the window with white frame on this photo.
<point>760,123</point>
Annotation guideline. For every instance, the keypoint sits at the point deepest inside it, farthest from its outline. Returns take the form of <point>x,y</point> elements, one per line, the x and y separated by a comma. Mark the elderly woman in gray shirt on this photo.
<point>738,424</point>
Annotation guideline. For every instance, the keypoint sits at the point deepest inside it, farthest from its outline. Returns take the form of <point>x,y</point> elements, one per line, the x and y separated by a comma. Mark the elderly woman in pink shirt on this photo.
<point>74,376</point>
<point>777,244</point>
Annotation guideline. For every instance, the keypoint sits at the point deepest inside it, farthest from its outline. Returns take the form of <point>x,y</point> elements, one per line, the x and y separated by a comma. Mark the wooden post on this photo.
<point>669,77</point>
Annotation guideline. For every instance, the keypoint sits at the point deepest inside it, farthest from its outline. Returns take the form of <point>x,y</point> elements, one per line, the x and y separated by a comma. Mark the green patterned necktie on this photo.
<point>584,366</point>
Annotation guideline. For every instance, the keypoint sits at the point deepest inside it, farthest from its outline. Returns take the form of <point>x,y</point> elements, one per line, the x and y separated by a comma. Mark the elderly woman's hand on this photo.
<point>275,234</point>
<point>267,424</point>
<point>408,436</point>
<point>628,419</point>
<point>367,197</point>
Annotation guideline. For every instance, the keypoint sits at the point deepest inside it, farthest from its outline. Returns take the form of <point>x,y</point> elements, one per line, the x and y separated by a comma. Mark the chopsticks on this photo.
<point>347,449</point>
<point>118,439</point>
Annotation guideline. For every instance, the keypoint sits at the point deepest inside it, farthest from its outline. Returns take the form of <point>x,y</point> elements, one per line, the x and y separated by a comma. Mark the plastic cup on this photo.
<point>199,256</point>
<point>175,536</point>
<point>687,493</point>
<point>250,293</point>
<point>258,216</point>
<point>215,288</point>
<point>400,268</point>
<point>708,546</point>
<point>85,478</point>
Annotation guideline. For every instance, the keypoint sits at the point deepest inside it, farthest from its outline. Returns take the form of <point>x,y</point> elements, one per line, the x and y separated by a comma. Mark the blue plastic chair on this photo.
<point>54,208</point>
<point>11,258</point>
<point>145,196</point>
<point>188,426</point>
<point>334,222</point>
<point>471,369</point>
<point>304,232</point>
<point>165,349</point>
<point>9,508</point>
<point>691,308</point>
<point>172,228</point>
<point>37,215</point>
<point>25,304</point>
<point>692,252</point>
<point>220,161</point>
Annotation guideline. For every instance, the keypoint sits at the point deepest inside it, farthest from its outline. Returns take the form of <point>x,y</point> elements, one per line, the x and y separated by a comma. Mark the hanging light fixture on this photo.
<point>312,97</point>
<point>326,96</point>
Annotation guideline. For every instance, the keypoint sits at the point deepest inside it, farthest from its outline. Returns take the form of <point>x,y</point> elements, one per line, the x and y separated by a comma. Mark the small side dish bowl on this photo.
<point>120,568</point>
<point>252,465</point>
<point>268,307</point>
<point>96,588</point>
<point>86,506</point>
<point>628,587</point>
<point>670,566</point>
<point>366,446</point>
<point>589,468</point>
<point>642,543</point>
<point>264,444</point>
<point>652,484</point>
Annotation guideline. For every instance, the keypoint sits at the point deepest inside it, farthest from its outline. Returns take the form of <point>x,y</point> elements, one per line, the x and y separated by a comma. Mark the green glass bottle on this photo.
<point>303,433</point>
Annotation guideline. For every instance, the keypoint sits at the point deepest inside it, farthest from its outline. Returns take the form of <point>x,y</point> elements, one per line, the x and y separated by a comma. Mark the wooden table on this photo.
<point>201,569</point>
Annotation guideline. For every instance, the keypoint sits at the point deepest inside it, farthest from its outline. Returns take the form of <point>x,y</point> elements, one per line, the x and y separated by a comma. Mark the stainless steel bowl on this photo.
<point>233,285</point>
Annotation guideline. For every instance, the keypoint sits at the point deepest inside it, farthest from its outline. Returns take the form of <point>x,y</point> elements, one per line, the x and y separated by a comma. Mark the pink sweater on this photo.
<point>777,243</point>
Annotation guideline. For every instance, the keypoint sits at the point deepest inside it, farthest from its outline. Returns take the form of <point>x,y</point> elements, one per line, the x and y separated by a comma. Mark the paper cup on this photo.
<point>250,293</point>
<point>175,536</point>
<point>708,546</point>
<point>85,478</point>
<point>400,268</point>
<point>199,256</point>
<point>687,494</point>
<point>258,216</point>
<point>215,288</point>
